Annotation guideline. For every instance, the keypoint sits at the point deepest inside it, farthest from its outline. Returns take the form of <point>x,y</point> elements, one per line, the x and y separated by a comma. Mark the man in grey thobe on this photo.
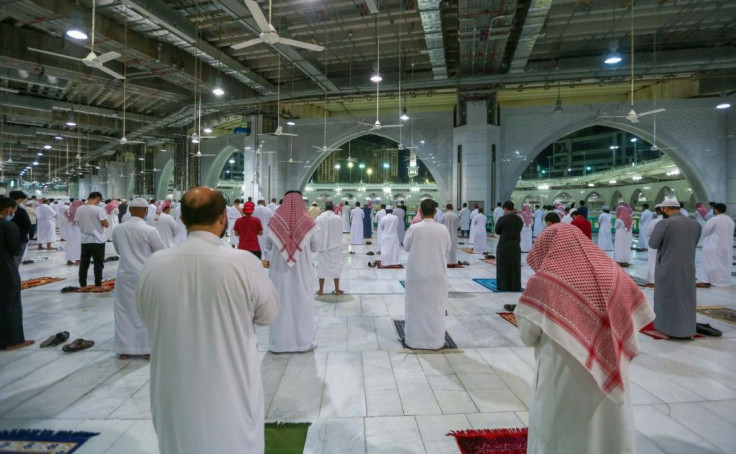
<point>452,222</point>
<point>675,237</point>
<point>400,212</point>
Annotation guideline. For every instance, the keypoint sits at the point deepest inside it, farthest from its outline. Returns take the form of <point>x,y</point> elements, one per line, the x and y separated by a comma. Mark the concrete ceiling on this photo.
<point>173,50</point>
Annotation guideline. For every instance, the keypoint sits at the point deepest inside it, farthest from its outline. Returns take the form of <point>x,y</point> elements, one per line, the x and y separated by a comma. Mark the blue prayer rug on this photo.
<point>401,325</point>
<point>39,440</point>
<point>491,285</point>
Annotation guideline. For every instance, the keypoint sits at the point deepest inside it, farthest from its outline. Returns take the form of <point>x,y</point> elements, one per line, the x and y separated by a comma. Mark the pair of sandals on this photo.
<point>463,263</point>
<point>113,258</point>
<point>60,338</point>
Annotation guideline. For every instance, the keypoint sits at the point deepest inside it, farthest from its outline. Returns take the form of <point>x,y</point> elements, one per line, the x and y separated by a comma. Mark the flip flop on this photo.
<point>68,289</point>
<point>56,339</point>
<point>338,293</point>
<point>509,307</point>
<point>370,253</point>
<point>79,344</point>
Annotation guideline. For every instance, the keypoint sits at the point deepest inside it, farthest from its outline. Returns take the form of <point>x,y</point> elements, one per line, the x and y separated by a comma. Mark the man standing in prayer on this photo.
<point>329,259</point>
<point>675,238</point>
<point>465,221</point>
<point>710,214</point>
<point>479,234</point>
<point>264,215</point>
<point>46,216</point>
<point>438,213</point>
<point>152,209</point>
<point>122,209</point>
<point>248,229</point>
<point>379,215</point>
<point>367,220</point>
<point>345,216</point>
<point>428,244</point>
<point>11,309</point>
<point>234,213</point>
<point>181,229</point>
<point>272,206</point>
<point>111,208</point>
<point>73,249</point>
<point>583,210</point>
<point>497,213</point>
<point>314,211</point>
<point>134,241</point>
<point>293,239</point>
<point>526,232</point>
<point>356,224</point>
<point>452,222</point>
<point>166,225</point>
<point>92,221</point>
<point>23,221</point>
<point>582,223</point>
<point>644,220</point>
<point>199,302</point>
<point>584,336</point>
<point>605,241</point>
<point>400,213</point>
<point>473,214</point>
<point>508,250</point>
<point>717,257</point>
<point>622,242</point>
<point>538,221</point>
<point>651,252</point>
<point>389,233</point>
<point>567,218</point>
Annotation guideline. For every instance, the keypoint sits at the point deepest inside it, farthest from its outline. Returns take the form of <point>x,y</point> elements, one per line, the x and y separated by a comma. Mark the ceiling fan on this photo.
<point>199,154</point>
<point>291,157</point>
<point>377,125</point>
<point>124,140</point>
<point>92,60</point>
<point>324,148</point>
<point>279,129</point>
<point>350,158</point>
<point>401,146</point>
<point>633,116</point>
<point>268,33</point>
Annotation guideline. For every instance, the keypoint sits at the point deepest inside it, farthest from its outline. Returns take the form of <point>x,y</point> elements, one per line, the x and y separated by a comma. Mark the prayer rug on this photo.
<point>640,281</point>
<point>38,441</point>
<point>469,250</point>
<point>107,286</point>
<point>389,267</point>
<point>509,317</point>
<point>650,331</point>
<point>491,441</point>
<point>492,285</point>
<point>449,343</point>
<point>455,265</point>
<point>719,312</point>
<point>30,283</point>
<point>490,261</point>
<point>286,438</point>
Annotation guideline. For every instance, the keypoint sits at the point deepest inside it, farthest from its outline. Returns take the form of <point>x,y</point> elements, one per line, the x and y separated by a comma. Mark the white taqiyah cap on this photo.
<point>138,203</point>
<point>389,207</point>
<point>672,203</point>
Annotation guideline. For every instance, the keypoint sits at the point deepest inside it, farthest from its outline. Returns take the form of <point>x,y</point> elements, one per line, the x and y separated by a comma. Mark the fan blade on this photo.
<point>390,126</point>
<point>110,72</point>
<point>302,44</point>
<point>244,44</point>
<point>53,53</point>
<point>107,56</point>
<point>651,112</point>
<point>366,124</point>
<point>258,16</point>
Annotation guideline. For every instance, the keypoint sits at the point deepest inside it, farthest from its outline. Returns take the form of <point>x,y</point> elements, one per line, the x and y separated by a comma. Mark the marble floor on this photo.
<point>358,390</point>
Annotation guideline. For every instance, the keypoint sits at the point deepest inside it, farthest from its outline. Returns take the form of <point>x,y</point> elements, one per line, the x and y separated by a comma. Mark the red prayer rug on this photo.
<point>35,282</point>
<point>107,286</point>
<point>378,265</point>
<point>491,441</point>
<point>509,317</point>
<point>490,261</point>
<point>454,265</point>
<point>650,331</point>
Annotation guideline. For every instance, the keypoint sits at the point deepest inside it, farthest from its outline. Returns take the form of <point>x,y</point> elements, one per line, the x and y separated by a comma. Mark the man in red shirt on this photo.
<point>579,221</point>
<point>247,228</point>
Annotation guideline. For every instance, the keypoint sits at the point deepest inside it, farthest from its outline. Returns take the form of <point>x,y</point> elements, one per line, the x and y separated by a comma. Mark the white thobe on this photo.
<point>273,207</point>
<point>538,222</point>
<point>264,215</point>
<point>293,330</point>
<point>684,212</point>
<point>345,214</point>
<point>57,220</point>
<point>63,222</point>
<point>566,219</point>
<point>465,219</point>
<point>622,243</point>
<point>356,225</point>
<point>717,257</point>
<point>651,252</point>
<point>452,222</point>
<point>181,229</point>
<point>151,211</point>
<point>701,220</point>
<point>605,241</point>
<point>73,248</point>
<point>380,215</point>
<point>199,302</point>
<point>526,238</point>
<point>388,232</point>
<point>167,229</point>
<point>568,412</point>
<point>329,259</point>
<point>401,225</point>
<point>127,216</point>
<point>497,213</point>
<point>479,235</point>
<point>112,220</point>
<point>427,243</point>
<point>134,242</point>
<point>473,214</point>
<point>644,220</point>
<point>438,215</point>
<point>46,224</point>
<point>232,215</point>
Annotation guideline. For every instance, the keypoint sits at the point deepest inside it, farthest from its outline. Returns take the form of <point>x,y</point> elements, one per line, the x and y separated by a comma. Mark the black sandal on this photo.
<point>79,344</point>
<point>56,339</point>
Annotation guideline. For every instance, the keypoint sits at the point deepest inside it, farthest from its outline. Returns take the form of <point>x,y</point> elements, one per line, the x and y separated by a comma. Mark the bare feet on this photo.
<point>339,292</point>
<point>124,356</point>
<point>69,263</point>
<point>21,345</point>
<point>147,357</point>
<point>319,293</point>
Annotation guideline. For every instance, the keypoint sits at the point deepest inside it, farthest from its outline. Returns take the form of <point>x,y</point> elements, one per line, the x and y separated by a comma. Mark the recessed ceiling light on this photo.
<point>723,105</point>
<point>76,33</point>
<point>58,138</point>
<point>47,147</point>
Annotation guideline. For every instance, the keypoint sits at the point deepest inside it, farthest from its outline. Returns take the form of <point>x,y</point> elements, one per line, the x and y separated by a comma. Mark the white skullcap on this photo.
<point>671,203</point>
<point>138,203</point>
<point>389,207</point>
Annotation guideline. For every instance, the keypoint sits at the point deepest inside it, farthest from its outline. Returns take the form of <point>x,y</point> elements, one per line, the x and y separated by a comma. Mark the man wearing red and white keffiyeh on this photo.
<point>292,242</point>
<point>581,314</point>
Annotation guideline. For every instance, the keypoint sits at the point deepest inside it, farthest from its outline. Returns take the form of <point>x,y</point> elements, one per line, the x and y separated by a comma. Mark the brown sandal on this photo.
<point>79,344</point>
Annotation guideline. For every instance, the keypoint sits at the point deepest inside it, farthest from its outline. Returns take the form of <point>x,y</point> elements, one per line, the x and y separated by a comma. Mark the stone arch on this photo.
<point>212,166</point>
<point>662,192</point>
<point>594,197</point>
<point>634,200</point>
<point>562,197</point>
<point>162,181</point>
<point>616,198</point>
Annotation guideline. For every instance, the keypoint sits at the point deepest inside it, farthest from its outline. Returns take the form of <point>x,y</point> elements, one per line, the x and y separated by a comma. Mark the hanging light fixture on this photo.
<point>207,130</point>
<point>558,106</point>
<point>376,77</point>
<point>722,102</point>
<point>218,90</point>
<point>404,115</point>
<point>612,57</point>
<point>70,121</point>
<point>195,137</point>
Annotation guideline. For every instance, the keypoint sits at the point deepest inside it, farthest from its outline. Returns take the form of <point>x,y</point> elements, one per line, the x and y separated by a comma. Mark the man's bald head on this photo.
<point>202,206</point>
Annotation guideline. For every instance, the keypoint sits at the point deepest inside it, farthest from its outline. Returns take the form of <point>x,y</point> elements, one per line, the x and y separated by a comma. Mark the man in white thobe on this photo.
<point>479,235</point>
<point>46,216</point>
<point>379,215</point>
<point>497,213</point>
<point>717,257</point>
<point>152,209</point>
<point>272,206</point>
<point>400,213</point>
<point>199,302</point>
<point>356,224</point>
<point>452,222</point>
<point>345,215</point>
<point>567,218</point>
<point>233,214</point>
<point>644,220</point>
<point>181,229</point>
<point>329,259</point>
<point>438,214</point>
<point>264,215</point>
<point>473,214</point>
<point>166,225</point>
<point>62,216</point>
<point>388,232</point>
<point>538,221</point>
<point>605,238</point>
<point>465,221</point>
<point>651,252</point>
<point>134,241</point>
<point>293,238</point>
<point>428,244</point>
